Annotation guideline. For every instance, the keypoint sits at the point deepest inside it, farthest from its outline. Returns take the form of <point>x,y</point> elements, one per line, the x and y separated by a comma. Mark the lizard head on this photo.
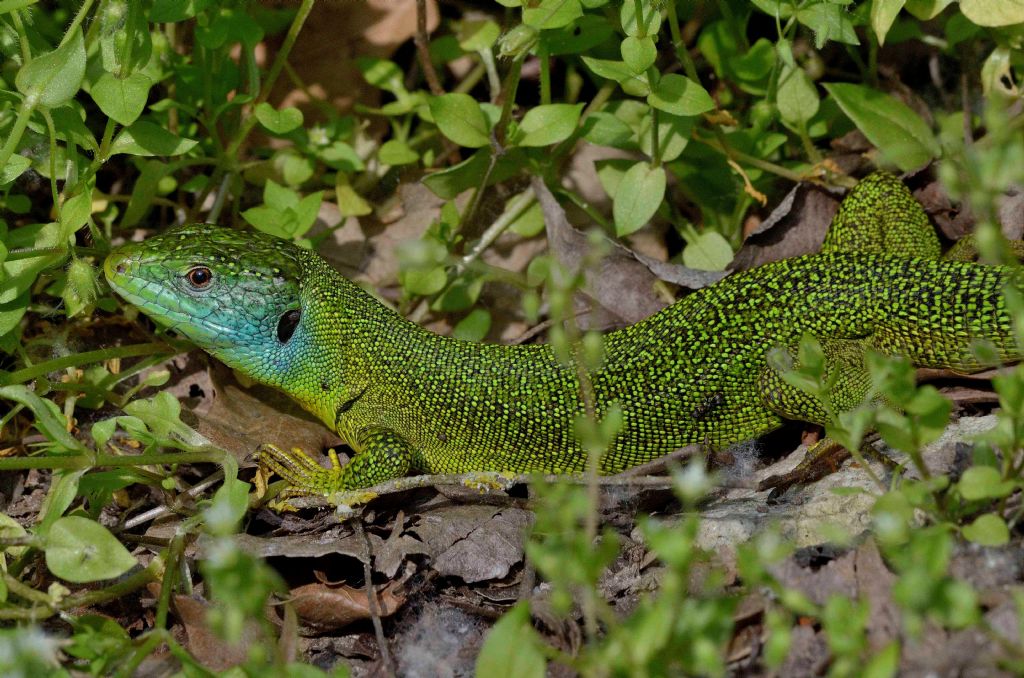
<point>234,294</point>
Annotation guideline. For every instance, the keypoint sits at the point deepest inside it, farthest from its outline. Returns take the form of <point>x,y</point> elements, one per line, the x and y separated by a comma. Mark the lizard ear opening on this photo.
<point>287,324</point>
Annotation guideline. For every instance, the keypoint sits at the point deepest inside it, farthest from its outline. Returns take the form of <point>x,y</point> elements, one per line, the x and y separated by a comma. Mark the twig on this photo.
<point>484,481</point>
<point>532,332</point>
<point>423,49</point>
<point>164,510</point>
<point>371,597</point>
<point>516,207</point>
<point>662,464</point>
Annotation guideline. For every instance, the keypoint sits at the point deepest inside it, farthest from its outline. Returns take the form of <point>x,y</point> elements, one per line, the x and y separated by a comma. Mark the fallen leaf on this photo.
<point>323,607</point>
<point>796,226</point>
<point>333,36</point>
<point>241,419</point>
<point>209,649</point>
<point>489,551</point>
<point>623,284</point>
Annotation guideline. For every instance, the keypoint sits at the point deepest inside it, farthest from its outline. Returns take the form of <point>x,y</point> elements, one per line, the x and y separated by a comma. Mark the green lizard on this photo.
<point>408,400</point>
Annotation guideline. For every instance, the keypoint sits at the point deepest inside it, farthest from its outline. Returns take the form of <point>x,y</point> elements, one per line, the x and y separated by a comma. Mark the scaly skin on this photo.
<point>696,372</point>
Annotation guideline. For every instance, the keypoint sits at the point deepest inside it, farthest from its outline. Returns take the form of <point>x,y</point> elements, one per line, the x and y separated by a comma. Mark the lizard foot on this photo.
<point>304,476</point>
<point>821,460</point>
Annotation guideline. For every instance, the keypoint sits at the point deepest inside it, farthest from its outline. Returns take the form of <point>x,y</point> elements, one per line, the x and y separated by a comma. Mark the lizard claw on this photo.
<point>304,476</point>
<point>821,460</point>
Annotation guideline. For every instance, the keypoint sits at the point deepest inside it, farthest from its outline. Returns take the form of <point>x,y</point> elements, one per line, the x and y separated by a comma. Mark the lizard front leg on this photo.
<point>382,455</point>
<point>848,386</point>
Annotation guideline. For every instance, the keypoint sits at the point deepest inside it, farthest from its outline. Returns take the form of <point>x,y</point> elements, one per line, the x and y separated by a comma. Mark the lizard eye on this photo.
<point>199,277</point>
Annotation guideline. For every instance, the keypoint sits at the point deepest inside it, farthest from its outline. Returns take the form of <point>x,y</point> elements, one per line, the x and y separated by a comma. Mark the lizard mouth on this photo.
<point>117,270</point>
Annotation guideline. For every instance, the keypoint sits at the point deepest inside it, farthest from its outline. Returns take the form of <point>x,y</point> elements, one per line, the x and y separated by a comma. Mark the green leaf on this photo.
<point>121,99</point>
<point>548,124</point>
<point>451,181</point>
<point>478,35</point>
<point>993,13</point>
<point>424,282</point>
<point>8,6</point>
<point>305,213</point>
<point>80,550</point>
<point>899,133</point>
<point>829,22</point>
<point>638,53</point>
<point>988,530</point>
<point>678,95</point>
<point>530,222</point>
<point>512,648</point>
<point>144,191</point>
<point>632,83</point>
<point>48,417</point>
<point>382,74</point>
<point>171,11</point>
<point>63,490</point>
<point>350,203</point>
<point>75,212</point>
<point>460,118</point>
<point>885,664</point>
<point>673,135</point>
<point>148,139</point>
<point>709,251</point>
<point>394,152</point>
<point>55,77</point>
<point>983,482</point>
<point>552,13</point>
<point>162,416</point>
<point>610,172</point>
<point>604,129</point>
<point>474,327</point>
<point>638,196</point>
<point>756,64</point>
<point>16,164</point>
<point>883,14</point>
<point>797,100</point>
<point>70,126</point>
<point>641,24</point>
<point>926,10</point>
<point>103,431</point>
<point>97,638</point>
<point>584,34</point>
<point>230,502</point>
<point>278,122</point>
<point>343,157</point>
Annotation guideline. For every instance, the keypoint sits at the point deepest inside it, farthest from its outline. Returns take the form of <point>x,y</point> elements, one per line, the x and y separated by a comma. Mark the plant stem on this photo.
<point>79,461</point>
<point>275,70</point>
<point>39,369</point>
<point>422,41</point>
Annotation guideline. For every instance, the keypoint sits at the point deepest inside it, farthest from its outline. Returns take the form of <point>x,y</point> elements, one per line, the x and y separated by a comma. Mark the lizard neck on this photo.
<point>346,342</point>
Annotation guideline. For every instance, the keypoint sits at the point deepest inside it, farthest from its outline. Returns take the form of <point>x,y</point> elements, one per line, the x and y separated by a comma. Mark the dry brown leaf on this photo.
<point>796,226</point>
<point>209,649</point>
<point>473,542</point>
<point>366,248</point>
<point>874,583</point>
<point>808,653</point>
<point>488,552</point>
<point>240,419</point>
<point>333,36</point>
<point>623,284</point>
<point>328,607</point>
